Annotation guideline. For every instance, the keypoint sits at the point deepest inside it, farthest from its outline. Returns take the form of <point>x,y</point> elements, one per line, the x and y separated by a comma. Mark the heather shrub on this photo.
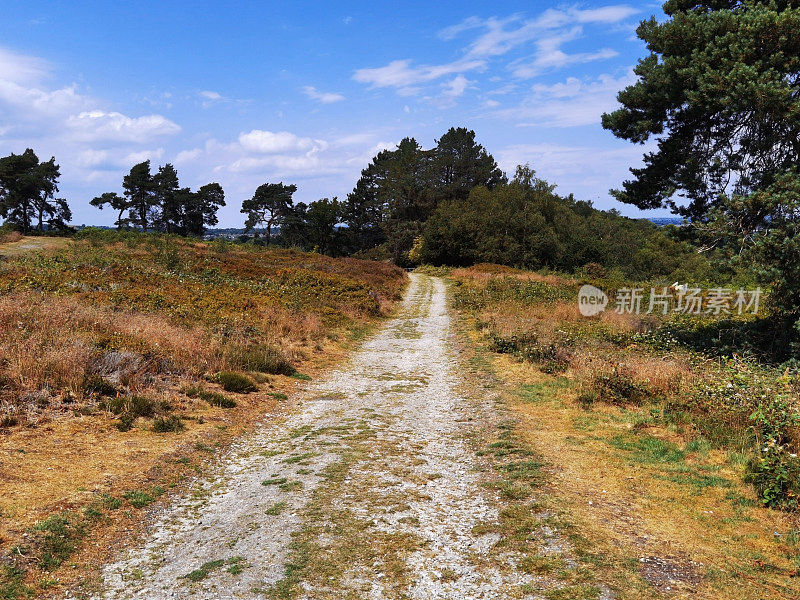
<point>235,382</point>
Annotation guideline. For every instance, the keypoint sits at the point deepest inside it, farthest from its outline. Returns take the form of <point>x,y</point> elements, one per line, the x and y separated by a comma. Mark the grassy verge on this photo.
<point>641,454</point>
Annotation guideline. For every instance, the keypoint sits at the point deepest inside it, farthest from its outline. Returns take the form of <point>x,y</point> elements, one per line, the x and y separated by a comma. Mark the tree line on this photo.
<point>447,205</point>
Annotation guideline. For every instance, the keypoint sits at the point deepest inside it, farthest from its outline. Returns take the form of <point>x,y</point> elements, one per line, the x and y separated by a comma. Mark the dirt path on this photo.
<point>369,489</point>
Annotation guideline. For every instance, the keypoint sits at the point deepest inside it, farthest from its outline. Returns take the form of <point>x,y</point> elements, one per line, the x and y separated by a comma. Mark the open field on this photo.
<point>127,362</point>
<point>647,442</point>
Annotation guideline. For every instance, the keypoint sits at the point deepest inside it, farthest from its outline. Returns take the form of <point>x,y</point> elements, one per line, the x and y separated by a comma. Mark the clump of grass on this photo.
<point>279,395</point>
<point>276,509</point>
<point>236,564</point>
<point>95,384</point>
<point>57,539</point>
<point>213,398</point>
<point>12,583</point>
<point>274,481</point>
<point>204,571</point>
<point>170,424</point>
<point>235,382</point>
<point>125,422</point>
<point>615,387</point>
<point>134,405</point>
<point>140,499</point>
<point>262,358</point>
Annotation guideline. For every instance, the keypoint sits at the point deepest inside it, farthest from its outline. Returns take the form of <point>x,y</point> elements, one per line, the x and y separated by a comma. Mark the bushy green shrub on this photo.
<point>616,387</point>
<point>235,382</point>
<point>775,470</point>
<point>170,424</point>
<point>57,538</point>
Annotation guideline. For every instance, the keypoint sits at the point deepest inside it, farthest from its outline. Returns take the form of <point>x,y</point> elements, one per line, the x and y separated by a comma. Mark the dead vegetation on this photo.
<point>121,354</point>
<point>663,456</point>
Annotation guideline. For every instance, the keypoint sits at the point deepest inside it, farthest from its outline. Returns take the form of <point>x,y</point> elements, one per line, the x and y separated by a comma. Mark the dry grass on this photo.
<point>153,317</point>
<point>632,472</point>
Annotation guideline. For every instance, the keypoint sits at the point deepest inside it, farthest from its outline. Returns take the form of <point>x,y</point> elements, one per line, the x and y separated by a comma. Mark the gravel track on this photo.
<point>370,483</point>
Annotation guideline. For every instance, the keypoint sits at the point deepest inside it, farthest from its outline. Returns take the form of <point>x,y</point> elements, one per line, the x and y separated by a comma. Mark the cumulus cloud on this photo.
<point>100,126</point>
<point>269,142</point>
<point>571,103</point>
<point>323,97</point>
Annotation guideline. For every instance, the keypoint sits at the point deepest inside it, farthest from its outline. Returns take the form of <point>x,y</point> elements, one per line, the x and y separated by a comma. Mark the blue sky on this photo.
<point>307,92</point>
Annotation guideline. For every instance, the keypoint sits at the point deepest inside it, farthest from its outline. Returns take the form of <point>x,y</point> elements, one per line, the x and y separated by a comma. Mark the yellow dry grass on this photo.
<point>14,244</point>
<point>721,544</point>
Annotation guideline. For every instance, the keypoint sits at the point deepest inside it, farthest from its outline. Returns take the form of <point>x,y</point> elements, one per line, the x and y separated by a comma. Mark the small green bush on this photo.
<point>617,387</point>
<point>215,399</point>
<point>775,470</point>
<point>95,384</point>
<point>57,538</point>
<point>262,358</point>
<point>138,499</point>
<point>171,424</point>
<point>135,406</point>
<point>125,422</point>
<point>235,382</point>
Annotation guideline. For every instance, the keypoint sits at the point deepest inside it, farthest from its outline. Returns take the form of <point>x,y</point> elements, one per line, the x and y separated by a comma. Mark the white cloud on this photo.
<point>97,125</point>
<point>211,95</point>
<point>188,156</point>
<point>503,35</point>
<point>323,97</point>
<point>402,75</point>
<point>457,86</point>
<point>268,142</point>
<point>136,157</point>
<point>92,158</point>
<point>571,103</point>
<point>21,68</point>
<point>549,55</point>
<point>548,32</point>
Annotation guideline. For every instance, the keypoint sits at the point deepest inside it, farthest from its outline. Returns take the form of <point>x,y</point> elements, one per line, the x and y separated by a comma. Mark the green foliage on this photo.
<point>170,424</point>
<point>719,91</point>
<point>553,357</point>
<point>235,382</point>
<point>618,387</point>
<point>157,202</point>
<point>400,189</point>
<point>268,207</point>
<point>216,399</point>
<point>204,571</point>
<point>27,193</point>
<point>12,583</point>
<point>57,538</point>
<point>133,405</point>
<point>95,384</point>
<point>138,498</point>
<point>314,227</point>
<point>775,470</point>
<point>524,224</point>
